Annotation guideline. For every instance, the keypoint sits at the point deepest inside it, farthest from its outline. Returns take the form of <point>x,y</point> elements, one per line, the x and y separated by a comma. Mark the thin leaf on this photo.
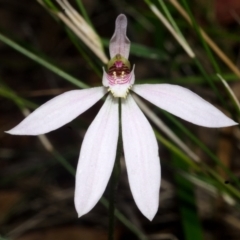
<point>42,62</point>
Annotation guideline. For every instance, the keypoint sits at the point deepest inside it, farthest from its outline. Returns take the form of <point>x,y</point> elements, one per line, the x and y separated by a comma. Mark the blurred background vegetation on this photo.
<point>41,56</point>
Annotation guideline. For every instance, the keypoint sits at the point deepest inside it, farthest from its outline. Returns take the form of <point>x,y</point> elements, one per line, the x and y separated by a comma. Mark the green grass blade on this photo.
<point>84,12</point>
<point>43,62</point>
<point>50,5</point>
<point>189,80</point>
<point>203,147</point>
<point>187,203</point>
<point>212,85</point>
<point>75,41</point>
<point>205,45</point>
<point>171,19</point>
<point>20,102</point>
<point>177,151</point>
<point>210,176</point>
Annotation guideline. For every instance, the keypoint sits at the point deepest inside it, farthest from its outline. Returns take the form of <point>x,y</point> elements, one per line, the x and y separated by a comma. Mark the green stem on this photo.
<point>113,183</point>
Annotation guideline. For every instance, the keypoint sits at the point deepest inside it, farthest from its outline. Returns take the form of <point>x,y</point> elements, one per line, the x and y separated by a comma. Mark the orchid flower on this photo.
<point>99,146</point>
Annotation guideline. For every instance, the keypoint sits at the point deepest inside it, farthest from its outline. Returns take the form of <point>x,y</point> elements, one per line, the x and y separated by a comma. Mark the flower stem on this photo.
<point>113,183</point>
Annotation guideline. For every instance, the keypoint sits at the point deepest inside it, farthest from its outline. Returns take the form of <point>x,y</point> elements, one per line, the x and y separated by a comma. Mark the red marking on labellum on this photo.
<point>118,73</point>
<point>118,67</point>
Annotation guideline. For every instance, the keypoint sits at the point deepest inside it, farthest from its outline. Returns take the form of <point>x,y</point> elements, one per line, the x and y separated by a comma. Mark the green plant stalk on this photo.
<point>125,221</point>
<point>113,183</point>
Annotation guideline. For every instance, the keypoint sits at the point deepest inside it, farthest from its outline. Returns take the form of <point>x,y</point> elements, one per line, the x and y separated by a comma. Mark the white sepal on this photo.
<point>97,157</point>
<point>184,104</point>
<point>58,111</point>
<point>142,159</point>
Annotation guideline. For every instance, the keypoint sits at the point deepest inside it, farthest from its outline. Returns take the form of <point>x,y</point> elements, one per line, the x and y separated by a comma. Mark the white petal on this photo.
<point>184,104</point>
<point>97,157</point>
<point>58,111</point>
<point>119,43</point>
<point>141,156</point>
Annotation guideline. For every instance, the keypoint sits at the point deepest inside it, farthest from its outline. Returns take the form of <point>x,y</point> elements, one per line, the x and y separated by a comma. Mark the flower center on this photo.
<point>118,70</point>
<point>119,77</point>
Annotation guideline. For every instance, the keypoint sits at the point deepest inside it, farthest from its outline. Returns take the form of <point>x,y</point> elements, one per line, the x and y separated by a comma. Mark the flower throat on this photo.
<point>118,70</point>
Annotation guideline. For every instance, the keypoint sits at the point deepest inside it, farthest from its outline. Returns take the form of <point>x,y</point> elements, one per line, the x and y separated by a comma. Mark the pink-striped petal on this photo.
<point>142,159</point>
<point>184,104</point>
<point>119,43</point>
<point>58,111</point>
<point>97,157</point>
